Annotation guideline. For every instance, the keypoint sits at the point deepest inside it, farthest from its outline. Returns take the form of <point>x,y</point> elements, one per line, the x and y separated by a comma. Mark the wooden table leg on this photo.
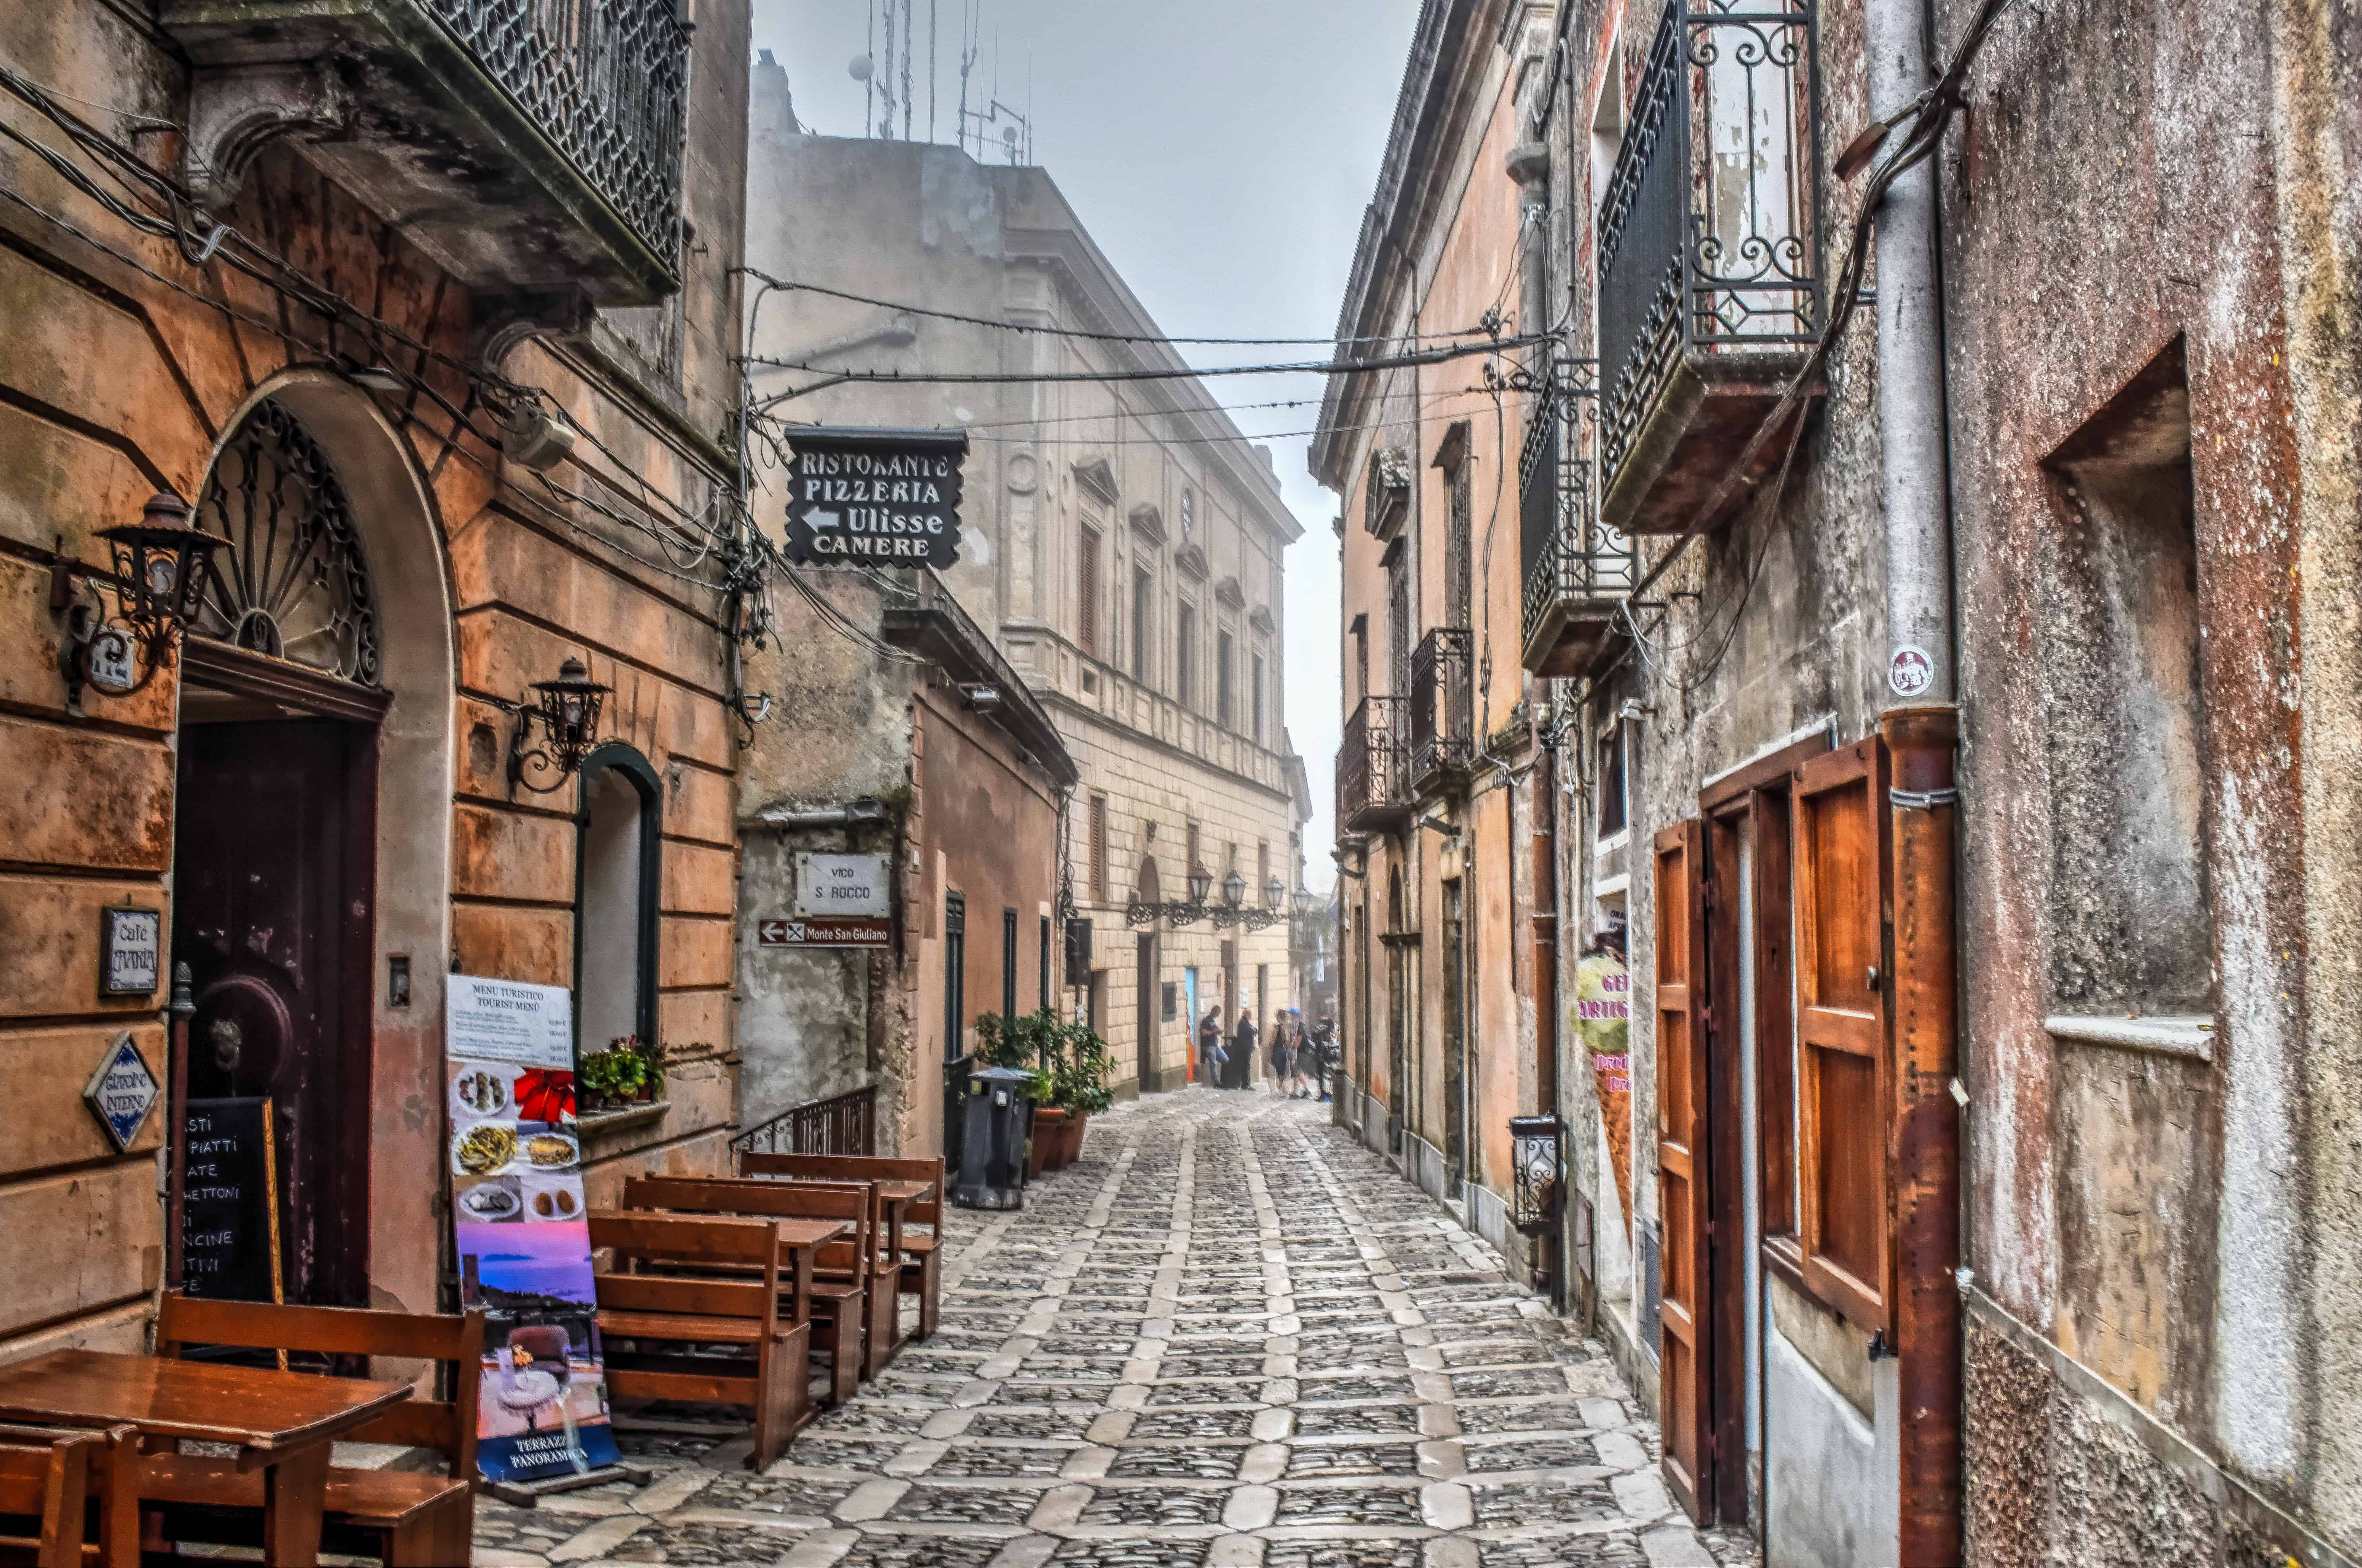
<point>804,1282</point>
<point>294,1494</point>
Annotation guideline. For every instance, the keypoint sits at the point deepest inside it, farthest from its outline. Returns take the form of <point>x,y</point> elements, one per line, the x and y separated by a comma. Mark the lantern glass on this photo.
<point>1274,895</point>
<point>1201,885</point>
<point>570,707</point>
<point>160,567</point>
<point>1234,890</point>
<point>1305,903</point>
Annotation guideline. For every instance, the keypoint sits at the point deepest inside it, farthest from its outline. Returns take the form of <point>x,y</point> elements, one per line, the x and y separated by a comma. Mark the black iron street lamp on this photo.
<point>567,709</point>
<point>161,566</point>
<point>1201,885</point>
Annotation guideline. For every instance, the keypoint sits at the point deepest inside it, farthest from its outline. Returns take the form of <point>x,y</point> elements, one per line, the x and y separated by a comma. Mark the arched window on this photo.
<point>619,838</point>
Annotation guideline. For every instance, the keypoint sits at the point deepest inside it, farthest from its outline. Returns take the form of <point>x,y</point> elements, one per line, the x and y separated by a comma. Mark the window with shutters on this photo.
<point>1262,868</point>
<point>1843,1093</point>
<point>1254,697</point>
<point>1098,849</point>
<point>1195,864</point>
<point>1225,680</point>
<point>1144,621</point>
<point>1686,1369</point>
<point>1184,655</point>
<point>1614,802</point>
<point>1009,962</point>
<point>1087,592</point>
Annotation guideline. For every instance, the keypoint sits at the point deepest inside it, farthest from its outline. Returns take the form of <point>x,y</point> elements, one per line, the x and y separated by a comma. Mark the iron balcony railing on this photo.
<point>843,1124</point>
<point>1707,230</point>
<point>1569,556</point>
<point>1443,706</point>
<point>606,81</point>
<point>1372,789</point>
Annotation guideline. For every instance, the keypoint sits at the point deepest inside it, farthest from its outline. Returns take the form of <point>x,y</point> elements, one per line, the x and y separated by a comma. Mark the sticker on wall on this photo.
<point>1909,672</point>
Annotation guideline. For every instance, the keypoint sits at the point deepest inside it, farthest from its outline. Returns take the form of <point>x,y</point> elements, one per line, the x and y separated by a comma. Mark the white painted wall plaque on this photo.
<point>130,952</point>
<point>122,1092</point>
<point>845,885</point>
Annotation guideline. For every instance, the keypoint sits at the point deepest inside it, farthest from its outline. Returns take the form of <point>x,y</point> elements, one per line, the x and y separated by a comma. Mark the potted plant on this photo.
<point>613,1078</point>
<point>652,1065</point>
<point>1033,1043</point>
<point>1079,1085</point>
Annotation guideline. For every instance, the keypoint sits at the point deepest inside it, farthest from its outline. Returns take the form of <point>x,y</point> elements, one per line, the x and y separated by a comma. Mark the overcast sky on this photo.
<point>1221,152</point>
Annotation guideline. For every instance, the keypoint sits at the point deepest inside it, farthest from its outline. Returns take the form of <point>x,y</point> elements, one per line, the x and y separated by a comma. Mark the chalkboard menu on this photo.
<point>230,1234</point>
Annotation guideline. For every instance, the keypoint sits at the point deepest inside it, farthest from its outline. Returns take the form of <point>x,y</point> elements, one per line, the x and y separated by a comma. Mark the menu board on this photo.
<point>229,1194</point>
<point>524,1238</point>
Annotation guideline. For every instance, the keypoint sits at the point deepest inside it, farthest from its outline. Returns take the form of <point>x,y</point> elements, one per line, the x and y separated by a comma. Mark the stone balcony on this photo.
<point>529,146</point>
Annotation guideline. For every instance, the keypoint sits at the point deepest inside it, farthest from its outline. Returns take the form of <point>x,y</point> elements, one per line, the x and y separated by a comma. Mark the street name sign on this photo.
<point>874,497</point>
<point>838,886</point>
<point>870,934</point>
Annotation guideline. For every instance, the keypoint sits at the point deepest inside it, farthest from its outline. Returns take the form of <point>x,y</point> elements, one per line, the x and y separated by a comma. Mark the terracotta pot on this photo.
<point>1070,1136</point>
<point>1048,1131</point>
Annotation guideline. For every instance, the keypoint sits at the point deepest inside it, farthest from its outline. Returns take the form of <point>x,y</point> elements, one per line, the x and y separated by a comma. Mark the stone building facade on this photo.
<point>1121,540</point>
<point>1954,1013</point>
<point>344,288</point>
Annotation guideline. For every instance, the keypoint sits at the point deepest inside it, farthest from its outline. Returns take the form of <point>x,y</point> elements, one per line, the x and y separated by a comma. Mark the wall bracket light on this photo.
<point>567,710</point>
<point>161,566</point>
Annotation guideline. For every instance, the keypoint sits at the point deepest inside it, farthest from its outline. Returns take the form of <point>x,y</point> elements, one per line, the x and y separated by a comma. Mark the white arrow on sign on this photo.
<point>825,519</point>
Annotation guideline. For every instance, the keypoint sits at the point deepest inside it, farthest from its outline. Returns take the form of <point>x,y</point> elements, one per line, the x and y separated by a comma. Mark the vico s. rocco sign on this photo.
<point>875,497</point>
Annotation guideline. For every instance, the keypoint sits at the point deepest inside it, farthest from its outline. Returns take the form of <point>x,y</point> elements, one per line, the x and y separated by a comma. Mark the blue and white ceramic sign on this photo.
<point>122,1092</point>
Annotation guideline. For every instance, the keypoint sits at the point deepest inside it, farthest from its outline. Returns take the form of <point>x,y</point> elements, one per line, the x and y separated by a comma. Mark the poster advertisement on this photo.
<point>1602,1021</point>
<point>523,1239</point>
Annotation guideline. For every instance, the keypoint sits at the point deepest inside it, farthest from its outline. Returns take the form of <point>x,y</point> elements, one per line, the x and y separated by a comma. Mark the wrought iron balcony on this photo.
<point>1709,257</point>
<point>531,147</point>
<point>1577,572</point>
<point>1442,710</point>
<point>1372,792</point>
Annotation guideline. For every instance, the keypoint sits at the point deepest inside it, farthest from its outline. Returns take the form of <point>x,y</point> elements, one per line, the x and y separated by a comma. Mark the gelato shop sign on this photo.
<point>875,497</point>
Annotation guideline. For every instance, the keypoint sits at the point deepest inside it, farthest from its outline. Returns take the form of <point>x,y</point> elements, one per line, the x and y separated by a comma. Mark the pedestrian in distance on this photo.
<point>1325,1044</point>
<point>1282,1058</point>
<point>1242,1052</point>
<point>1211,1057</point>
<point>1308,1056</point>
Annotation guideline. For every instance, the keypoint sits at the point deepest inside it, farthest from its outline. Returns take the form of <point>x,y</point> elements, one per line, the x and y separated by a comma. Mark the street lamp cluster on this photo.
<point>1230,912</point>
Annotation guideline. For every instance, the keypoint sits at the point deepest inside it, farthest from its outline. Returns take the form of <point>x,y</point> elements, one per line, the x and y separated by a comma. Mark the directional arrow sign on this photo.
<point>875,497</point>
<point>863,934</point>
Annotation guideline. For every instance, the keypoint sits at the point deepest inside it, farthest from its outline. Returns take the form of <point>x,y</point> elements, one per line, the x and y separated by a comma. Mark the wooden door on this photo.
<point>272,884</point>
<point>1842,826</point>
<point>1146,983</point>
<point>1685,1353</point>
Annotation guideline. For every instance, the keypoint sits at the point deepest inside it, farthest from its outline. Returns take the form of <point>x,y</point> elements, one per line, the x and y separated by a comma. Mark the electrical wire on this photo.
<point>1087,336</point>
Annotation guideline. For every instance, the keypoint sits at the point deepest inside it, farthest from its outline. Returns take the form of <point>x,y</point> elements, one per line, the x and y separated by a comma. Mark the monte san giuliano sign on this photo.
<point>875,497</point>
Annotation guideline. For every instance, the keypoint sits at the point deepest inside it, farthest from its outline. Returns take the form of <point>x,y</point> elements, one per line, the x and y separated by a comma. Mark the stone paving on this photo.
<point>1228,1337</point>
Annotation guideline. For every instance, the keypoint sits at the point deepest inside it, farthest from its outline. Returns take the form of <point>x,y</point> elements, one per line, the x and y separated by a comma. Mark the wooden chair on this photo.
<point>47,1479</point>
<point>405,1519</point>
<point>921,1264</point>
<point>639,1303</point>
<point>839,1302</point>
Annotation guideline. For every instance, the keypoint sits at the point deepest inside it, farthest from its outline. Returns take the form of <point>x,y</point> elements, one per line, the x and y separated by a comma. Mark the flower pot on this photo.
<point>1048,1131</point>
<point>1070,1136</point>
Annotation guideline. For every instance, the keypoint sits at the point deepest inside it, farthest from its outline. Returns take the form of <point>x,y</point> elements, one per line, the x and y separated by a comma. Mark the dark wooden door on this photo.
<point>273,875</point>
<point>1685,1340</point>
<point>1147,991</point>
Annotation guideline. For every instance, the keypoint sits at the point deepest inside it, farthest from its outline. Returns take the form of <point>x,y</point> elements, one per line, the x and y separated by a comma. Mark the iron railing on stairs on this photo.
<point>843,1124</point>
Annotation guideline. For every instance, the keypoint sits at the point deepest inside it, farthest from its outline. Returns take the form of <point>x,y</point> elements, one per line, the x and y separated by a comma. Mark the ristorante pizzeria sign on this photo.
<point>875,497</point>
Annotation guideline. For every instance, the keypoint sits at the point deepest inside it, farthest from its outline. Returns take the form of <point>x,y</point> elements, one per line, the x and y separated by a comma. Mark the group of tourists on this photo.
<point>1301,1062</point>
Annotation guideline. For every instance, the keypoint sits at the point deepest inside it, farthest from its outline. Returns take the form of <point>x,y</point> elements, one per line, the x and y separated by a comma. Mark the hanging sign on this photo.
<point>875,497</point>
<point>523,1230</point>
<point>1602,1021</point>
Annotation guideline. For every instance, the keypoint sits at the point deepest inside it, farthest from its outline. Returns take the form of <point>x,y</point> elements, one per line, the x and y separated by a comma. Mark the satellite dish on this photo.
<point>859,68</point>
<point>1009,138</point>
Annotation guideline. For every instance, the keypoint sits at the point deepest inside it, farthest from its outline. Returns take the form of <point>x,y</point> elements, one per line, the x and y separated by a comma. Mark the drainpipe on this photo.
<point>1921,725</point>
<point>1545,837</point>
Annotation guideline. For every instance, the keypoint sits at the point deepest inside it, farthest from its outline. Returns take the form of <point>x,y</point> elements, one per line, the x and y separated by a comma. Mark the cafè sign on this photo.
<point>875,497</point>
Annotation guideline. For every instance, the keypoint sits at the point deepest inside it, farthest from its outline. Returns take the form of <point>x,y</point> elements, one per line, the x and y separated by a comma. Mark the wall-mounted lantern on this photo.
<point>1538,1164</point>
<point>1202,887</point>
<point>161,566</point>
<point>567,709</point>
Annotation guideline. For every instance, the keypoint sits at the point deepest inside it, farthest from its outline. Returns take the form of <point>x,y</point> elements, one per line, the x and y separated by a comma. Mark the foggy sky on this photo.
<point>1221,152</point>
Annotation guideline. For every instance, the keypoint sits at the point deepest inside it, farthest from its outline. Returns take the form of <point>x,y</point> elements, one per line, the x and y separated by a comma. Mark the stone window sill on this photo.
<point>2190,1038</point>
<point>600,1123</point>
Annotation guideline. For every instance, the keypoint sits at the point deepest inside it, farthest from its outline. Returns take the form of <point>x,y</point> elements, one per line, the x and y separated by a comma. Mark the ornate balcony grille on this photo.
<point>1707,240</point>
<point>1570,556</point>
<point>607,82</point>
<point>1371,765</point>
<point>1442,705</point>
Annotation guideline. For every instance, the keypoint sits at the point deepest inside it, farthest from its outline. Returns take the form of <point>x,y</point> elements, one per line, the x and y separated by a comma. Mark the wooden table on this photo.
<point>282,1422</point>
<point>898,1195</point>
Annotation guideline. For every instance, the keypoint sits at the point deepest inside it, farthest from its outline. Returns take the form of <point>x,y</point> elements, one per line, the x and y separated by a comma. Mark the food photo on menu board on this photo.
<point>523,1237</point>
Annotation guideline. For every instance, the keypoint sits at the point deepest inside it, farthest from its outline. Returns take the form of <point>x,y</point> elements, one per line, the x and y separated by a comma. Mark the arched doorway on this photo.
<point>311,859</point>
<point>1147,984</point>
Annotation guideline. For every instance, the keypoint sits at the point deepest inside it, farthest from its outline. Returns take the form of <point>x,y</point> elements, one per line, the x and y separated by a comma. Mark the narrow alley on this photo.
<point>1227,1337</point>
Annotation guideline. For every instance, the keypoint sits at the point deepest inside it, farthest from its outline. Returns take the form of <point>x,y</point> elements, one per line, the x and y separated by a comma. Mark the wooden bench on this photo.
<point>46,1480</point>
<point>918,1254</point>
<point>639,1303</point>
<point>405,1519</point>
<point>838,1304</point>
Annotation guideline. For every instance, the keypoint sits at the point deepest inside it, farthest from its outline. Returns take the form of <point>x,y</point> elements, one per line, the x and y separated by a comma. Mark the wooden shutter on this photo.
<point>1842,827</point>
<point>1086,617</point>
<point>1685,1346</point>
<point>1098,849</point>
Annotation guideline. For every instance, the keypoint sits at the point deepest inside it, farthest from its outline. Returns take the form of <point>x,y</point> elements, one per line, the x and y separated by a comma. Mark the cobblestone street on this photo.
<point>1227,1337</point>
